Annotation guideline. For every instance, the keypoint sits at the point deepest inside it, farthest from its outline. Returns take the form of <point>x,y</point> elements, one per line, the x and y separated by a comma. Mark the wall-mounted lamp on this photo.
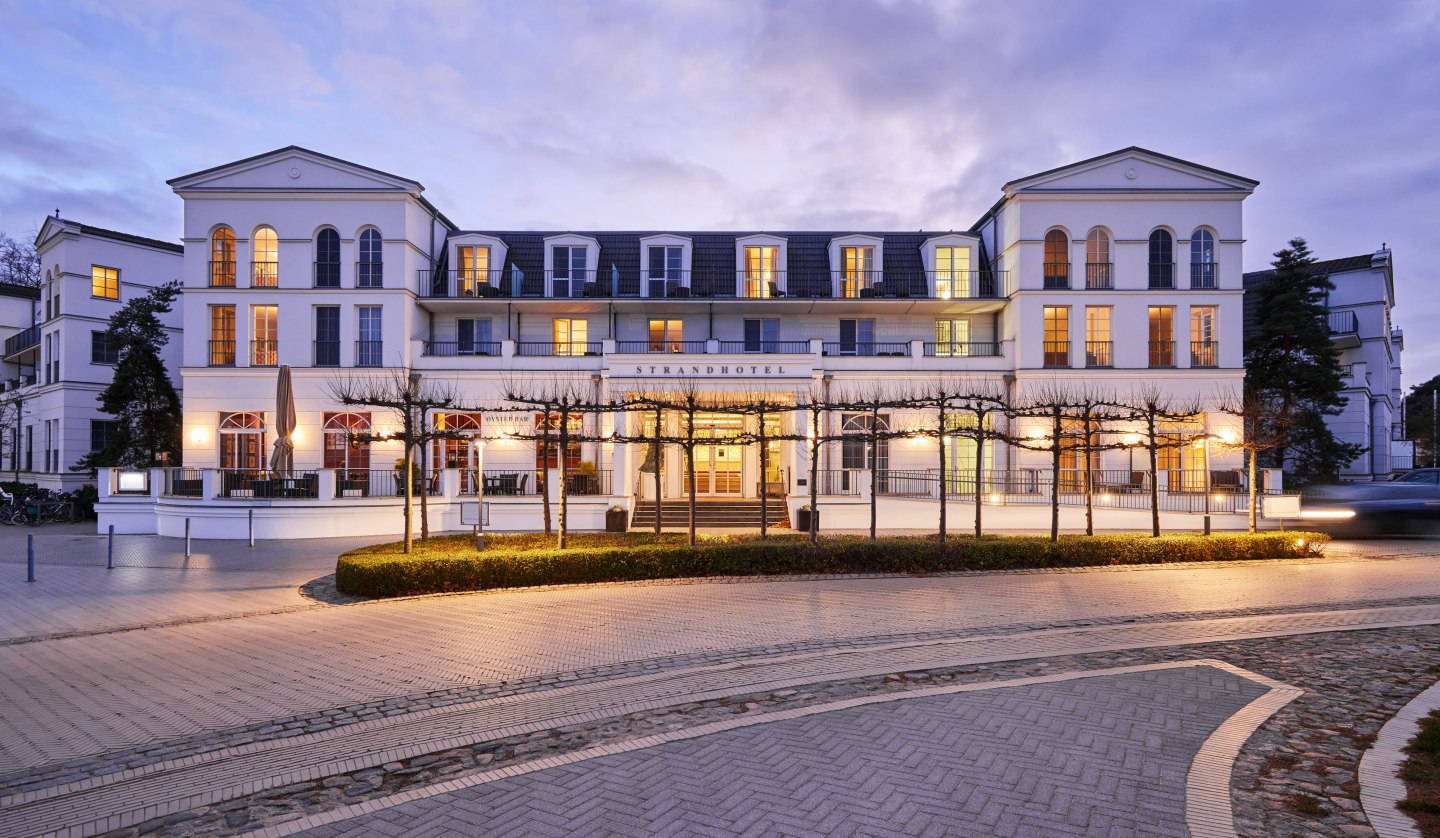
<point>198,435</point>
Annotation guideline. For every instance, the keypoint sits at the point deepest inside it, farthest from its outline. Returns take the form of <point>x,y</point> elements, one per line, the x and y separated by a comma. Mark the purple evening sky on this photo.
<point>699,114</point>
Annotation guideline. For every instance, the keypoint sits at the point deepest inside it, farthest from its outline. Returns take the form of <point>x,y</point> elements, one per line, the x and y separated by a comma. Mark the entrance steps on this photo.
<point>708,513</point>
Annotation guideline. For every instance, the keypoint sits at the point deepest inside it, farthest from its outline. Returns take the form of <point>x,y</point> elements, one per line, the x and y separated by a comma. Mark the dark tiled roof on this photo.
<point>1329,266</point>
<point>128,238</point>
<point>25,292</point>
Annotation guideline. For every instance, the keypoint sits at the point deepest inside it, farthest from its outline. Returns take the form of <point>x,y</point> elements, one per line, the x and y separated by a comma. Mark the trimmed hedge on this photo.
<point>452,564</point>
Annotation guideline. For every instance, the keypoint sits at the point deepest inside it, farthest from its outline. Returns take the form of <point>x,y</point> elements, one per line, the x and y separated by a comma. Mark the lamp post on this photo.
<point>1203,442</point>
<point>479,494</point>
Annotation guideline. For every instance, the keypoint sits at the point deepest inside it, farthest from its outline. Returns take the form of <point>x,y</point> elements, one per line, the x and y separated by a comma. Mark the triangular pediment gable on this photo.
<point>294,169</point>
<point>1132,169</point>
<point>51,228</point>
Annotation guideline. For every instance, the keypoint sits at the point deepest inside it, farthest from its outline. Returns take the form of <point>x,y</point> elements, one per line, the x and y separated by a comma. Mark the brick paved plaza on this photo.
<point>216,697</point>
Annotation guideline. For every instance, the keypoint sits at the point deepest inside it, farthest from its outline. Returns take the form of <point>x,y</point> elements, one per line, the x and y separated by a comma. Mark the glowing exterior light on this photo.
<point>1105,498</point>
<point>1130,439</point>
<point>197,435</point>
<point>1227,436</point>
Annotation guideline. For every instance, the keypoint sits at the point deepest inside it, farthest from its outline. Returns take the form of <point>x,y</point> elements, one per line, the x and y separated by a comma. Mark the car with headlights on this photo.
<point>1408,504</point>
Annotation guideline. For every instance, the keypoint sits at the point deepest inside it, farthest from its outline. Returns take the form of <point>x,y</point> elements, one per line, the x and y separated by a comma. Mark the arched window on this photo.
<point>1162,259</point>
<point>1057,259</point>
<point>339,453</point>
<point>372,273</point>
<point>327,259</point>
<point>242,445</point>
<point>457,452</point>
<point>222,258</point>
<point>265,259</point>
<point>1202,259</point>
<point>1097,259</point>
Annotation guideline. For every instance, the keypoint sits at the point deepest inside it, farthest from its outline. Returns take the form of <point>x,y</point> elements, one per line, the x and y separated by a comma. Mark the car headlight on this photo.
<point>1328,514</point>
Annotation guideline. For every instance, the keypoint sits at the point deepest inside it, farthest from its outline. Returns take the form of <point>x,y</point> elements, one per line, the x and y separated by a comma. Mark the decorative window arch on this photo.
<point>327,258</point>
<point>1057,259</point>
<point>242,441</point>
<point>1202,259</point>
<point>337,428</point>
<point>1097,259</point>
<point>222,258</point>
<point>457,451</point>
<point>1162,259</point>
<point>265,258</point>
<point>371,264</point>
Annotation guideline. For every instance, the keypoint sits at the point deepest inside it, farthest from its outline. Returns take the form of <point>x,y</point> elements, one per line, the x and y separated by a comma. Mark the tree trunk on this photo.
<point>874,466</point>
<point>690,466</point>
<point>1254,489</point>
<point>814,476</point>
<point>1153,449</point>
<point>409,492</point>
<point>1055,477</point>
<point>1089,488</point>
<point>564,463</point>
<point>424,491</point>
<point>764,484</point>
<point>543,478</point>
<point>941,437</point>
<point>659,453</point>
<point>979,471</point>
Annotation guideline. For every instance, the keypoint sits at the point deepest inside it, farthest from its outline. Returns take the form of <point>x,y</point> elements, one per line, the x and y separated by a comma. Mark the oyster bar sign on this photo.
<point>716,371</point>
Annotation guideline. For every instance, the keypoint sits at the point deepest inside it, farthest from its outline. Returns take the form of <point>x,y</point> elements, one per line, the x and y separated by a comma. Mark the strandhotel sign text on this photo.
<point>735,371</point>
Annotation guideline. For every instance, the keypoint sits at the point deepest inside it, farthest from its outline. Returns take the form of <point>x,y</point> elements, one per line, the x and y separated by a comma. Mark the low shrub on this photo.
<point>451,563</point>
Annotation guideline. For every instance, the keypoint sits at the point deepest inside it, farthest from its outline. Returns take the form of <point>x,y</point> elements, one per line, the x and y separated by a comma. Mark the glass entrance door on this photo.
<point>717,466</point>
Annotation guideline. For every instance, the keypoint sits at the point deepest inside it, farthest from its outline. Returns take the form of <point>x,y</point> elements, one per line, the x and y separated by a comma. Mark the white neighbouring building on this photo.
<point>56,361</point>
<point>1370,347</point>
<point>1114,273</point>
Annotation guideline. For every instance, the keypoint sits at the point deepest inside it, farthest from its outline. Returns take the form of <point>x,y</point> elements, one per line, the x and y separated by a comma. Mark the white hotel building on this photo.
<point>1113,273</point>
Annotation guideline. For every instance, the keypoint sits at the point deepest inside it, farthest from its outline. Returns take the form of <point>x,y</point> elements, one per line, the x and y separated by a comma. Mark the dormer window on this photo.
<point>952,272</point>
<point>950,269</point>
<point>570,267</point>
<point>472,274</point>
<point>857,271</point>
<point>665,272</point>
<point>568,277</point>
<point>762,276</point>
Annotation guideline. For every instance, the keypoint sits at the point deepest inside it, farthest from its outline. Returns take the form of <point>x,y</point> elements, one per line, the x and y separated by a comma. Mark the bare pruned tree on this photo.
<point>19,262</point>
<point>761,405</point>
<point>986,402</point>
<point>871,402</point>
<point>410,397</point>
<point>1153,407</point>
<point>1053,402</point>
<point>1263,427</point>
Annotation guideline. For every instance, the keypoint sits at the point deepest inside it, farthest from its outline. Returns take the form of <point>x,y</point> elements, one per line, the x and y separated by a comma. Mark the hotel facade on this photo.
<point>1112,276</point>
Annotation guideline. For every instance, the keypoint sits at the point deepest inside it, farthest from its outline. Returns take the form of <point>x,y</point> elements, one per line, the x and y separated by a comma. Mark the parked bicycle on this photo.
<point>12,512</point>
<point>46,508</point>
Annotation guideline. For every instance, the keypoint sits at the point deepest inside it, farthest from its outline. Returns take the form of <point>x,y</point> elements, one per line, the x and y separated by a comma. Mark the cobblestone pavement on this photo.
<point>1038,760</point>
<point>75,704</point>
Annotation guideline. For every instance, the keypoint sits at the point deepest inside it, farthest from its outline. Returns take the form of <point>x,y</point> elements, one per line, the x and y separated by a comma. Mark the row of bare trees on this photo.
<point>1057,419</point>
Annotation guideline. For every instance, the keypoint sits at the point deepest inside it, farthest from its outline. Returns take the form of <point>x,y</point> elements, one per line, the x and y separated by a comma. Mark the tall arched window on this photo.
<point>339,453</point>
<point>1097,259</point>
<point>457,451</point>
<point>242,445</point>
<point>327,259</point>
<point>371,273</point>
<point>1162,259</point>
<point>1202,259</point>
<point>1057,259</point>
<point>222,258</point>
<point>265,259</point>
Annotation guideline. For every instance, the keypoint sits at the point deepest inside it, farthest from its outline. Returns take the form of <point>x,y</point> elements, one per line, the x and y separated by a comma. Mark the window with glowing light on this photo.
<point>265,263</point>
<point>104,282</point>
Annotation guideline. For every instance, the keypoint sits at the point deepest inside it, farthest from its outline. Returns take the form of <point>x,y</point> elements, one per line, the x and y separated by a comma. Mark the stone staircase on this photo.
<point>708,513</point>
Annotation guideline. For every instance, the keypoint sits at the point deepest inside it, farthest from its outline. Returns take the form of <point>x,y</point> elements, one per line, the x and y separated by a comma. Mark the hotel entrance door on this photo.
<point>717,466</point>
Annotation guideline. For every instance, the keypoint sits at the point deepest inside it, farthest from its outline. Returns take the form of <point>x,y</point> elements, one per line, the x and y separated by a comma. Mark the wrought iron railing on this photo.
<point>222,353</point>
<point>1057,276</point>
<point>558,348</point>
<point>222,273</point>
<point>262,483</point>
<point>447,348</point>
<point>1099,353</point>
<point>1099,275</point>
<point>766,347</point>
<point>1162,275</point>
<point>962,349</point>
<point>1162,353</point>
<point>674,347</point>
<point>1343,323</point>
<point>1057,353</point>
<point>1203,274</point>
<point>385,483</point>
<point>22,341</point>
<point>867,349</point>
<point>264,274</point>
<point>264,353</point>
<point>184,482</point>
<point>327,274</point>
<point>327,353</point>
<point>1205,353</point>
<point>369,274</point>
<point>369,353</point>
<point>839,482</point>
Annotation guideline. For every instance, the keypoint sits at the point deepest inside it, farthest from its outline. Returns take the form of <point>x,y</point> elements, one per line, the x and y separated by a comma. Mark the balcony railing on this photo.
<point>1057,276</point>
<point>264,353</point>
<point>264,274</point>
<point>1162,275</point>
<point>327,353</point>
<point>369,353</point>
<point>765,347</point>
<point>842,482</point>
<point>980,284</point>
<point>1162,353</point>
<point>1205,353</point>
<point>587,482</point>
<point>222,353</point>
<point>866,349</point>
<point>385,483</point>
<point>327,274</point>
<point>1203,274</point>
<point>452,347</point>
<point>502,483</point>
<point>1057,353</point>
<point>962,349</point>
<point>260,483</point>
<point>1344,323</point>
<point>22,341</point>
<point>184,483</point>
<point>1099,275</point>
<point>369,274</point>
<point>558,349</point>
<point>1099,353</point>
<point>674,347</point>
<point>222,274</point>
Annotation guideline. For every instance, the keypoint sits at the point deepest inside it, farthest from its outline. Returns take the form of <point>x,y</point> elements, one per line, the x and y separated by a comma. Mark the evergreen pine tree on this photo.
<point>1294,366</point>
<point>140,396</point>
<point>1420,420</point>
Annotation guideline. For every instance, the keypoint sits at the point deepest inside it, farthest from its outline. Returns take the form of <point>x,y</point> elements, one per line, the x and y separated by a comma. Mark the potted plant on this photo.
<point>802,518</point>
<point>584,479</point>
<point>616,519</point>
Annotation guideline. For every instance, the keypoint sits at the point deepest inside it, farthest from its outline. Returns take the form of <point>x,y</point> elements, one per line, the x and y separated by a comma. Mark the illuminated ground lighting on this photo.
<point>1106,498</point>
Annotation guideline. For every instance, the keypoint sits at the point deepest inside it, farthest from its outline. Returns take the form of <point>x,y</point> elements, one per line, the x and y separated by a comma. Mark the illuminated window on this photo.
<point>104,282</point>
<point>222,258</point>
<point>473,276</point>
<point>952,338</point>
<point>265,264</point>
<point>570,337</point>
<point>222,336</point>
<point>265,336</point>
<point>242,441</point>
<point>857,269</point>
<point>1203,348</point>
<point>1097,337</point>
<point>952,272</point>
<point>337,429</point>
<point>1162,336</point>
<point>761,272</point>
<point>548,456</point>
<point>1057,336</point>
<point>667,336</point>
<point>1097,259</point>
<point>1057,260</point>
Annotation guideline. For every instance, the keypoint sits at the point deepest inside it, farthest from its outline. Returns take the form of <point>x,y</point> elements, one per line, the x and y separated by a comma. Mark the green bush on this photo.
<point>452,563</point>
